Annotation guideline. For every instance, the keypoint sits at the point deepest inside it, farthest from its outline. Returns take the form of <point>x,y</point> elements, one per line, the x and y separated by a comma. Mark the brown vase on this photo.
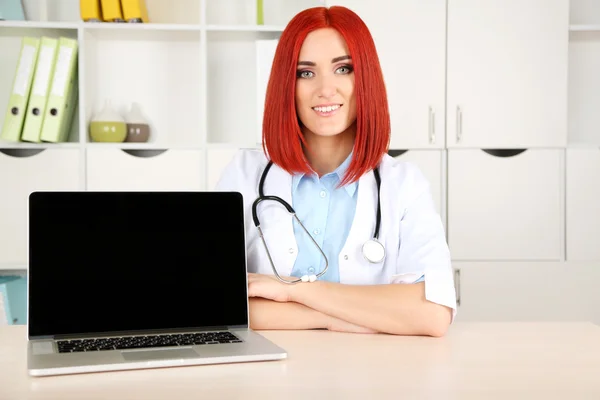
<point>138,128</point>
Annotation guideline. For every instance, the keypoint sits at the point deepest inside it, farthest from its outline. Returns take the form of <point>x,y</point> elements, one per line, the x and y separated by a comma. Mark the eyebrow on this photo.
<point>334,60</point>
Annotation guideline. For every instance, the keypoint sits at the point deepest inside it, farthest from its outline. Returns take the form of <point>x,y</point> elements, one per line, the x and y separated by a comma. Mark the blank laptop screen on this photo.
<point>109,261</point>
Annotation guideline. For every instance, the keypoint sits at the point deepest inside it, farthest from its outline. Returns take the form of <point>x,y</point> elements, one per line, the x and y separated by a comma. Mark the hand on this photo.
<point>268,287</point>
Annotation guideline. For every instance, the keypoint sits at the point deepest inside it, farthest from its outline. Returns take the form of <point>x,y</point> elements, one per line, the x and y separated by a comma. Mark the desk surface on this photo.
<point>474,361</point>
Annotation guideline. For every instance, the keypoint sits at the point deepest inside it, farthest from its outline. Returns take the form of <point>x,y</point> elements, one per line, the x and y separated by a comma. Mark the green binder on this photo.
<point>62,99</point>
<point>21,88</point>
<point>38,98</point>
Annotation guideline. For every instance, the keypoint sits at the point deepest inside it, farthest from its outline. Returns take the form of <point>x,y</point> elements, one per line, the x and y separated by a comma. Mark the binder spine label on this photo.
<point>61,71</point>
<point>44,66</point>
<point>25,66</point>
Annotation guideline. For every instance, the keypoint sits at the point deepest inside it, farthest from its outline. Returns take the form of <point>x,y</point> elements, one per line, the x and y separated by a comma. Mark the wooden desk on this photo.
<point>474,361</point>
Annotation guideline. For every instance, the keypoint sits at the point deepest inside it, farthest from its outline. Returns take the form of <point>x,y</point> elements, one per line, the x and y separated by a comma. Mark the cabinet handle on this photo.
<point>457,285</point>
<point>458,124</point>
<point>431,125</point>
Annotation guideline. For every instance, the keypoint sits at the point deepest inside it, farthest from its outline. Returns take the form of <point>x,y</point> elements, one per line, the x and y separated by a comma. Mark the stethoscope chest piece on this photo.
<point>373,251</point>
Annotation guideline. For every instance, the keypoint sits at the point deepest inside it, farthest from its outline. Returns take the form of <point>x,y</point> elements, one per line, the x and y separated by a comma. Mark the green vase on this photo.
<point>108,125</point>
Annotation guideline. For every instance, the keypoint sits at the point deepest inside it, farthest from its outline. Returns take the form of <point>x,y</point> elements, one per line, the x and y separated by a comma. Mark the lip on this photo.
<point>330,113</point>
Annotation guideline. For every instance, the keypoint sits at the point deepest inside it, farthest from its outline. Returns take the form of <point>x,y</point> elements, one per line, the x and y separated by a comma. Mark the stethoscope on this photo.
<point>373,250</point>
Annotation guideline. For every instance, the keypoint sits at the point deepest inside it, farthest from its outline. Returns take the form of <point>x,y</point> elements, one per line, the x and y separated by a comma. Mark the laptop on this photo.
<point>131,280</point>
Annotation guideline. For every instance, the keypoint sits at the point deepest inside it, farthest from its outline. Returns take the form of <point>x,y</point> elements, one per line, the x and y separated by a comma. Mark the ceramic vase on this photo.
<point>138,129</point>
<point>108,125</point>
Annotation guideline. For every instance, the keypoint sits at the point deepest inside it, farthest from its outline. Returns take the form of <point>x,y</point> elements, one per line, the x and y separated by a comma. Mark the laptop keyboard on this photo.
<point>147,341</point>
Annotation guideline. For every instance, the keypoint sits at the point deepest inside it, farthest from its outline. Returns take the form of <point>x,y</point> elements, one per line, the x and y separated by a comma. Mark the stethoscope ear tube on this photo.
<point>262,198</point>
<point>378,219</point>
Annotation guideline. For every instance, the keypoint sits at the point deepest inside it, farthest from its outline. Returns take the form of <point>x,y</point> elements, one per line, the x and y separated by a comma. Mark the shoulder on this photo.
<point>243,170</point>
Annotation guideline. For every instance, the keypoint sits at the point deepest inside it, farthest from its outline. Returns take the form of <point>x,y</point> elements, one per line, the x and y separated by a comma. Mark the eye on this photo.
<point>304,74</point>
<point>345,69</point>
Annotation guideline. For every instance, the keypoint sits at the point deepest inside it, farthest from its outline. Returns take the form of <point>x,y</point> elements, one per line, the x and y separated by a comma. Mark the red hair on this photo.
<point>282,136</point>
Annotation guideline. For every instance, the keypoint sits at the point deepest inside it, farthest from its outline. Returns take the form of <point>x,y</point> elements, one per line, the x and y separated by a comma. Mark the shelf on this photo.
<point>584,28</point>
<point>143,32</point>
<point>26,145</point>
<point>164,66</point>
<point>149,27</point>
<point>139,146</point>
<point>39,25</point>
<point>245,28</point>
<point>231,81</point>
<point>138,27</point>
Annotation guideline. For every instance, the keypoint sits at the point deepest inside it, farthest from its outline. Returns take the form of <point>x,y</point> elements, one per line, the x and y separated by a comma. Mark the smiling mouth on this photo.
<point>327,110</point>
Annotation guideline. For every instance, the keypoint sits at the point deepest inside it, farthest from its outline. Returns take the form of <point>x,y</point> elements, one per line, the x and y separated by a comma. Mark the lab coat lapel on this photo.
<point>363,228</point>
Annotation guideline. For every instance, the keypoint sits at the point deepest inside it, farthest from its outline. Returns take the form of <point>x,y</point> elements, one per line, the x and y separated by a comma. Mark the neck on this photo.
<point>326,153</point>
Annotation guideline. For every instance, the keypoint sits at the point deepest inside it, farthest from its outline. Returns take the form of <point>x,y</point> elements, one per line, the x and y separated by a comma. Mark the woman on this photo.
<point>326,130</point>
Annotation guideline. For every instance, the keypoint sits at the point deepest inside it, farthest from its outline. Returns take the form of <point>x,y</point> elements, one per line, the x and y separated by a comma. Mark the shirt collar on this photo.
<point>339,171</point>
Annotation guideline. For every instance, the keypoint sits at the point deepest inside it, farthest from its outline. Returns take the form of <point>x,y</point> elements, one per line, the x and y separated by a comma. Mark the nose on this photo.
<point>327,86</point>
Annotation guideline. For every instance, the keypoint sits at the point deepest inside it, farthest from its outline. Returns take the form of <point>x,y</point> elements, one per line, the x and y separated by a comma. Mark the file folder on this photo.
<point>111,11</point>
<point>19,95</point>
<point>39,91</point>
<point>90,10</point>
<point>134,11</point>
<point>62,99</point>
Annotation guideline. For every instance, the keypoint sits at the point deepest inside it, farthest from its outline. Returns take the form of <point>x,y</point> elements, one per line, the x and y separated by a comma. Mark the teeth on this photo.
<point>326,109</point>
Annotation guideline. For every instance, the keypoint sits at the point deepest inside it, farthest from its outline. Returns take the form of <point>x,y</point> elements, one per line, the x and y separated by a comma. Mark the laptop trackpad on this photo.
<point>158,354</point>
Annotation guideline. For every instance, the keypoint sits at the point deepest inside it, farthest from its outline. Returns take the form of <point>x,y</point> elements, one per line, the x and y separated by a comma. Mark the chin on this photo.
<point>328,131</point>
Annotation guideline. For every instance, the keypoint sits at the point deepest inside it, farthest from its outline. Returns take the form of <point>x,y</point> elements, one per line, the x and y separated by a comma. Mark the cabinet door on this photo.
<point>527,291</point>
<point>22,172</point>
<point>410,40</point>
<point>430,162</point>
<point>216,161</point>
<point>583,204</point>
<point>507,73</point>
<point>116,169</point>
<point>505,204</point>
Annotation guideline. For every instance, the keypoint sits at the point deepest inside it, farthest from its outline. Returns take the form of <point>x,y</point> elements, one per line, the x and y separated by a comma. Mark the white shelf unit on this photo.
<point>471,84</point>
<point>191,51</point>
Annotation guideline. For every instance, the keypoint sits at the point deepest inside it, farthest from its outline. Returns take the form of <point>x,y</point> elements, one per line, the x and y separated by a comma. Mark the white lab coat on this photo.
<point>411,229</point>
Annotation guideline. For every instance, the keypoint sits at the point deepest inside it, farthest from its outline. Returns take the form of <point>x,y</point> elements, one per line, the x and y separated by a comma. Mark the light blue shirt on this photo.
<point>327,212</point>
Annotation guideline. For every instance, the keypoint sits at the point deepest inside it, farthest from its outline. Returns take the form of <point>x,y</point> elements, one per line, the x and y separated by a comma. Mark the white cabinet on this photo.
<point>22,172</point>
<point>583,204</point>
<point>116,169</point>
<point>410,39</point>
<point>507,73</point>
<point>528,291</point>
<point>506,205</point>
<point>216,160</point>
<point>431,164</point>
<point>584,85</point>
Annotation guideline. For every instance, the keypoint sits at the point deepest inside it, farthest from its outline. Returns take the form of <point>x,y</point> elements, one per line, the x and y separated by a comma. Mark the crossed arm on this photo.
<point>399,309</point>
